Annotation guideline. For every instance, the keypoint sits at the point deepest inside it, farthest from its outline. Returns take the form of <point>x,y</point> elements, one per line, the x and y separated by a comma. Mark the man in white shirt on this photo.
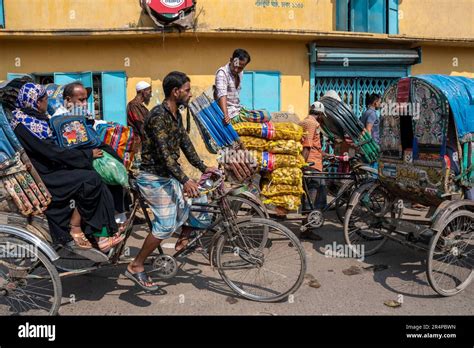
<point>228,84</point>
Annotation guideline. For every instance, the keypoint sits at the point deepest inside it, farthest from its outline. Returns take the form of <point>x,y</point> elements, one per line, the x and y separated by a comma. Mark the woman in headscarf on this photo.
<point>81,205</point>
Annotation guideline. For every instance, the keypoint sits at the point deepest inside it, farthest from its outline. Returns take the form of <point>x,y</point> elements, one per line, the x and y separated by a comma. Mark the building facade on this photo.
<point>299,48</point>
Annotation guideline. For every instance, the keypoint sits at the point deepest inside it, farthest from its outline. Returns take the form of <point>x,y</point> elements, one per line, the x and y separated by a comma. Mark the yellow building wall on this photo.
<point>437,18</point>
<point>151,61</point>
<point>211,14</point>
<point>68,14</point>
<point>446,60</point>
<point>433,18</point>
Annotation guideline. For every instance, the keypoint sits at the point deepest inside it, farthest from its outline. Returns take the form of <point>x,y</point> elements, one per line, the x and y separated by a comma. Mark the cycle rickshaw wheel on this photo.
<point>29,282</point>
<point>363,230</point>
<point>341,203</point>
<point>263,273</point>
<point>242,207</point>
<point>451,254</point>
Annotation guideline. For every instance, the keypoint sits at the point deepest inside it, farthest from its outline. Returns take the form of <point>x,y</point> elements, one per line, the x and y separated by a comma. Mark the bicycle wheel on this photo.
<point>264,273</point>
<point>451,255</point>
<point>344,195</point>
<point>242,207</point>
<point>29,282</point>
<point>363,230</point>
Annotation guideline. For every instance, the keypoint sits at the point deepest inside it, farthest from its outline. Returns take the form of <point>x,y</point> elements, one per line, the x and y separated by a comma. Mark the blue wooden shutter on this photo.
<point>393,16</point>
<point>246,94</point>
<point>114,97</point>
<point>376,17</point>
<point>2,15</point>
<point>342,15</point>
<point>85,78</point>
<point>267,91</point>
<point>261,90</point>
<point>359,11</point>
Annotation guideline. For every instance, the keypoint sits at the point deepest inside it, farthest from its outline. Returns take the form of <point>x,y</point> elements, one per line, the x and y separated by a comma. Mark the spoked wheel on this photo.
<point>363,230</point>
<point>451,255</point>
<point>242,207</point>
<point>264,273</point>
<point>344,194</point>
<point>29,283</point>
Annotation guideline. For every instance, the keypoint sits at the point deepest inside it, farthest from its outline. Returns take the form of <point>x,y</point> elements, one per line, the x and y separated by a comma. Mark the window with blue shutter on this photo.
<point>114,97</point>
<point>376,16</point>
<point>372,16</point>
<point>108,99</point>
<point>261,90</point>
<point>84,77</point>
<point>342,15</point>
<point>393,16</point>
<point>359,12</point>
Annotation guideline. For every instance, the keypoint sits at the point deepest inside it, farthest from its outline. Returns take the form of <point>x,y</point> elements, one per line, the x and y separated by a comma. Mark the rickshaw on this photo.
<point>257,258</point>
<point>427,158</point>
<point>339,185</point>
<point>339,124</point>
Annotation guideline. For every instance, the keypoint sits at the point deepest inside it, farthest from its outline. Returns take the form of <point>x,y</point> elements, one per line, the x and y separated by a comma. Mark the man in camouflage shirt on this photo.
<point>161,180</point>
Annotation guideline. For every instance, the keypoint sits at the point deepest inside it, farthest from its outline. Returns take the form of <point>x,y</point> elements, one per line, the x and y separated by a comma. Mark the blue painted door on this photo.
<point>261,90</point>
<point>246,94</point>
<point>85,78</point>
<point>114,97</point>
<point>267,91</point>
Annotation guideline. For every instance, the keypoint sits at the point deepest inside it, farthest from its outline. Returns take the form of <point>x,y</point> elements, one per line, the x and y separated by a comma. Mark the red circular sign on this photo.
<point>169,6</point>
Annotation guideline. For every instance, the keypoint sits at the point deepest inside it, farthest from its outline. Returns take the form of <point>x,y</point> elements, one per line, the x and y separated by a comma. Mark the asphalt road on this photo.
<point>346,286</point>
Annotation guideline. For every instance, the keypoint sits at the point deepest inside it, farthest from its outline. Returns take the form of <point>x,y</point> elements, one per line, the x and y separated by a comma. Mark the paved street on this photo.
<point>198,290</point>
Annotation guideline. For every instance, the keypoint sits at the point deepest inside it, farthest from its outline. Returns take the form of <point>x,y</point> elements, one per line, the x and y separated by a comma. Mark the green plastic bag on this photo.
<point>110,170</point>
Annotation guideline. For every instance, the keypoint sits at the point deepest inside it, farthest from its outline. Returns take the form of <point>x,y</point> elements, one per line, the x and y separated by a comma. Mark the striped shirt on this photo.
<point>226,84</point>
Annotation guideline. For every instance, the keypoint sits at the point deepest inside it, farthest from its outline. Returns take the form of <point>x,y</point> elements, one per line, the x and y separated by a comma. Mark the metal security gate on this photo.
<point>357,72</point>
<point>353,91</point>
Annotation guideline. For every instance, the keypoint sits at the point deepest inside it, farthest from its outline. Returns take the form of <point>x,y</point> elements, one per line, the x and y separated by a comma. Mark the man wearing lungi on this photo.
<point>161,179</point>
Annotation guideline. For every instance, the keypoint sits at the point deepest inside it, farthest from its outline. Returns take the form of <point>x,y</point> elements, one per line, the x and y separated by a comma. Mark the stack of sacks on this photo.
<point>277,150</point>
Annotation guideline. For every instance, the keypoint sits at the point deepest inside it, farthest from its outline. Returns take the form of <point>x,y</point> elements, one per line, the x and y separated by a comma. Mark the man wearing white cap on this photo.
<point>136,110</point>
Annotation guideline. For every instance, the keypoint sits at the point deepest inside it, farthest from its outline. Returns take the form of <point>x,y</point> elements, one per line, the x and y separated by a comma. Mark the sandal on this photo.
<point>121,228</point>
<point>141,278</point>
<point>184,237</point>
<point>80,238</point>
<point>107,243</point>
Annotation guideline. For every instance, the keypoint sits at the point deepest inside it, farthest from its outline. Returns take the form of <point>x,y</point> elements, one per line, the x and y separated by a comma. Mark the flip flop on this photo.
<point>184,237</point>
<point>107,244</point>
<point>140,278</point>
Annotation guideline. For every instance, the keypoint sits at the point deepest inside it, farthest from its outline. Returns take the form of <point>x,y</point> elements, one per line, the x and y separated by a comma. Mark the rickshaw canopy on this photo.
<point>459,91</point>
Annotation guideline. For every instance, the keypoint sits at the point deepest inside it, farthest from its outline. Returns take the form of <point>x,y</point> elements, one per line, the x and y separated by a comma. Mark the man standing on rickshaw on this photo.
<point>162,181</point>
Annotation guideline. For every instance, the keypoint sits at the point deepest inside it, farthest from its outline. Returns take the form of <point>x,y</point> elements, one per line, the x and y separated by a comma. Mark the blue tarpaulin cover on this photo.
<point>459,91</point>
